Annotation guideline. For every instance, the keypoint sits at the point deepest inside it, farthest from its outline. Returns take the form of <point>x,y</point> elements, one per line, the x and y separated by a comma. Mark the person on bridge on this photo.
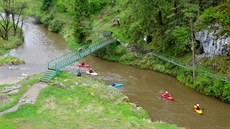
<point>197,107</point>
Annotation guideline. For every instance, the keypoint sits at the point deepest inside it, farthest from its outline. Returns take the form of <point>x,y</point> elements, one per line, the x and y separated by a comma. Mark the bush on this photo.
<point>55,26</point>
<point>181,38</point>
<point>97,5</point>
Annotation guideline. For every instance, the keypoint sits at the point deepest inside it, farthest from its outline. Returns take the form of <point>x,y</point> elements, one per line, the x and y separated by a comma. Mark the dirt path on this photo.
<point>29,97</point>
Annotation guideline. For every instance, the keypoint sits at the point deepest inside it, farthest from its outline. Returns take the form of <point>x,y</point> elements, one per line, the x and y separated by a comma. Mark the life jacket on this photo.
<point>166,95</point>
<point>197,107</point>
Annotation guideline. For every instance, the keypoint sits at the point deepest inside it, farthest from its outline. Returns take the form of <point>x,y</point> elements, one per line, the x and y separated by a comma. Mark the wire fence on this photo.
<point>225,78</point>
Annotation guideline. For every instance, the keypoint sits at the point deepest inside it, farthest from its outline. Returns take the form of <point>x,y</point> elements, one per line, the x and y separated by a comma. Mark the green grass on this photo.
<point>10,60</point>
<point>105,21</point>
<point>11,43</point>
<point>91,104</point>
<point>26,83</point>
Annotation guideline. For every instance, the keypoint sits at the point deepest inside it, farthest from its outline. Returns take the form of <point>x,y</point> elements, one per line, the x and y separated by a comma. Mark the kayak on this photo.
<point>199,111</point>
<point>116,86</point>
<point>93,73</point>
<point>133,104</point>
<point>167,97</point>
<point>83,66</point>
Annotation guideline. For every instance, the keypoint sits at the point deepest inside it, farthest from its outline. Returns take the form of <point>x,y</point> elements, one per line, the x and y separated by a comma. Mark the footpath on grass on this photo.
<point>29,97</point>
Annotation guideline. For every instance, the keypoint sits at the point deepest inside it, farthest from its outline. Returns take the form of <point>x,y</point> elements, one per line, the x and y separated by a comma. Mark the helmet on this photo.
<point>197,105</point>
<point>166,92</point>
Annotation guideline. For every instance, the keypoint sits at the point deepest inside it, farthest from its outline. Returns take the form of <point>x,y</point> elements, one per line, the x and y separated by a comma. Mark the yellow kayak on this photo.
<point>198,111</point>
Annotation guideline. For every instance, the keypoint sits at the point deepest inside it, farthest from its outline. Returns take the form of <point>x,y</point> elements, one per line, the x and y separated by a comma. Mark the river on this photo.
<point>143,86</point>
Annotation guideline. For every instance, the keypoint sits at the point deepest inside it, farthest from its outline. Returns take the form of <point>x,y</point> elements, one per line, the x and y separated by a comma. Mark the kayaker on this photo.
<point>197,107</point>
<point>90,71</point>
<point>136,104</point>
<point>113,83</point>
<point>166,94</point>
<point>78,73</point>
<point>83,63</point>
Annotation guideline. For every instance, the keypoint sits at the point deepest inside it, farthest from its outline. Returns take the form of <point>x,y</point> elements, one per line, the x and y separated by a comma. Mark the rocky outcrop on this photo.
<point>211,44</point>
<point>11,90</point>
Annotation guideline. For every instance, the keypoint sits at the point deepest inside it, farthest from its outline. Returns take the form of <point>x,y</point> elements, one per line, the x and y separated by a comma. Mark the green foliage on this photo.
<point>205,84</point>
<point>128,58</point>
<point>55,26</point>
<point>46,4</point>
<point>219,14</point>
<point>10,60</point>
<point>182,41</point>
<point>217,64</point>
<point>95,6</point>
<point>11,43</point>
<point>113,52</point>
<point>46,18</point>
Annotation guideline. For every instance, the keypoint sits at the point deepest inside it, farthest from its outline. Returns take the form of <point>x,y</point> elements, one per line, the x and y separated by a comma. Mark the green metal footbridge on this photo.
<point>55,65</point>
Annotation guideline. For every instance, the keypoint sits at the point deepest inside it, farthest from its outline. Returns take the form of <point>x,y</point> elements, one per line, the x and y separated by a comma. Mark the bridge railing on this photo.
<point>71,57</point>
<point>52,63</point>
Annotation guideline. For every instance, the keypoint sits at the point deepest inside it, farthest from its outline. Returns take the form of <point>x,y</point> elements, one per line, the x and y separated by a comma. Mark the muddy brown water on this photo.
<point>142,86</point>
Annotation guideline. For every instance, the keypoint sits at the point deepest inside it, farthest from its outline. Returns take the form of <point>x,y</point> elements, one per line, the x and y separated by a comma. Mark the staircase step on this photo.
<point>48,75</point>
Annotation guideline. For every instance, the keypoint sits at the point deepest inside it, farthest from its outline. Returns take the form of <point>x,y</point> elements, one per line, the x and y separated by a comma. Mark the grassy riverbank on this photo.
<point>79,102</point>
<point>7,45</point>
<point>10,60</point>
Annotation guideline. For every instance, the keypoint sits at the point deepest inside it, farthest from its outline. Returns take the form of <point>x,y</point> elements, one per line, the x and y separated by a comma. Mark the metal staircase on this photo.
<point>55,65</point>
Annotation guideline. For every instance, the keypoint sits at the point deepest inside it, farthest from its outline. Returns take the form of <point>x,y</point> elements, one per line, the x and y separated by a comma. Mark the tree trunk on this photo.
<point>175,6</point>
<point>193,52</point>
<point>5,25</point>
<point>160,17</point>
<point>22,22</point>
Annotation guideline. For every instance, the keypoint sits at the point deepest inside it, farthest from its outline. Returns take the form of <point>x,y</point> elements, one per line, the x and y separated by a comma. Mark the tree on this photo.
<point>81,13</point>
<point>190,12</point>
<point>17,11</point>
<point>5,24</point>
<point>13,10</point>
<point>146,17</point>
<point>46,4</point>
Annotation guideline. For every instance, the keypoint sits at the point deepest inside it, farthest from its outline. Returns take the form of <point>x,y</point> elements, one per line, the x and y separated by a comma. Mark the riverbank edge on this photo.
<point>12,43</point>
<point>91,88</point>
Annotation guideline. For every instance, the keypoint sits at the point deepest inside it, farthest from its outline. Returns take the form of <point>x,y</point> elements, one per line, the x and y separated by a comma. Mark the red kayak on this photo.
<point>167,97</point>
<point>83,65</point>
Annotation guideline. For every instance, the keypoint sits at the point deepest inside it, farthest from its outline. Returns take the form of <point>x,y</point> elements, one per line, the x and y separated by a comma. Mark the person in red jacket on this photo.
<point>197,107</point>
<point>166,94</point>
<point>90,71</point>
